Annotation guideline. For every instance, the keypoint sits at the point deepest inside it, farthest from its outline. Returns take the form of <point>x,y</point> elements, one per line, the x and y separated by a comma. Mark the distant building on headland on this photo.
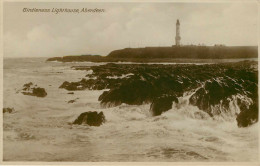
<point>179,50</point>
<point>178,36</point>
<point>220,45</point>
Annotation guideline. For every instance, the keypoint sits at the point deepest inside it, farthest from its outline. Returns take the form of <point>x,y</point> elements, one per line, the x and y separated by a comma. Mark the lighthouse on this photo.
<point>178,37</point>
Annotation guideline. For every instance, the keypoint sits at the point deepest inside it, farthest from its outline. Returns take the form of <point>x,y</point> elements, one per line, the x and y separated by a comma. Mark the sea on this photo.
<point>40,129</point>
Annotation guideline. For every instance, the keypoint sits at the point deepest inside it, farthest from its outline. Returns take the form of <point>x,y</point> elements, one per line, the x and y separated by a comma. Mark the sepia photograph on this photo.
<point>137,81</point>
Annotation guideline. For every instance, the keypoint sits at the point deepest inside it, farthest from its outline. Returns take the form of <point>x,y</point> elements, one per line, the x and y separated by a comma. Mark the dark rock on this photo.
<point>33,90</point>
<point>71,86</point>
<point>162,104</point>
<point>201,100</point>
<point>27,86</point>
<point>103,95</point>
<point>213,92</point>
<point>72,101</point>
<point>92,84</point>
<point>39,92</point>
<point>220,93</point>
<point>133,92</point>
<point>90,118</point>
<point>216,84</point>
<point>248,116</point>
<point>9,110</point>
<point>149,81</point>
<point>71,93</point>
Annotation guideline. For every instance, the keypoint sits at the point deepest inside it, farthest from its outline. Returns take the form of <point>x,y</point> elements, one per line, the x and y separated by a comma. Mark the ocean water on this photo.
<point>40,128</point>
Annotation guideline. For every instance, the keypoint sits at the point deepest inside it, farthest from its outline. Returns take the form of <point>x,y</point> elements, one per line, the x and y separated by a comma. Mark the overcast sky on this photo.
<point>124,25</point>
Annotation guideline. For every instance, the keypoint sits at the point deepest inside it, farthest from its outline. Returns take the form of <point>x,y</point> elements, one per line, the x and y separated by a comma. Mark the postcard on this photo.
<point>134,81</point>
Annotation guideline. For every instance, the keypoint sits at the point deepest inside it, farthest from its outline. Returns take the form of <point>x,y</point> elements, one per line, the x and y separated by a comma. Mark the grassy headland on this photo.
<point>187,54</point>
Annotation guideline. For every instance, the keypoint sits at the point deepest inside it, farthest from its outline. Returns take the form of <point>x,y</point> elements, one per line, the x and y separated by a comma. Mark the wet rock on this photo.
<point>39,92</point>
<point>133,92</point>
<point>92,84</point>
<point>162,104</point>
<point>90,118</point>
<point>215,91</point>
<point>103,95</point>
<point>248,116</point>
<point>72,101</point>
<point>8,110</point>
<point>217,84</point>
<point>33,90</point>
<point>27,86</point>
<point>201,100</point>
<point>219,91</point>
<point>71,86</point>
<point>148,82</point>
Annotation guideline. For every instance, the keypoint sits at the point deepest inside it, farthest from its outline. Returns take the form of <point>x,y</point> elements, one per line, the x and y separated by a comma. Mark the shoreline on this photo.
<point>144,60</point>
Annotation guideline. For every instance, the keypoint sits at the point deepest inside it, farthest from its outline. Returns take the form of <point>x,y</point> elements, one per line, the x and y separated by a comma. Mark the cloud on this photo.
<point>125,25</point>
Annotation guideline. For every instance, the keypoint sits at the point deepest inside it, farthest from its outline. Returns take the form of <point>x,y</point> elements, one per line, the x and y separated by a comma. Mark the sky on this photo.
<point>123,25</point>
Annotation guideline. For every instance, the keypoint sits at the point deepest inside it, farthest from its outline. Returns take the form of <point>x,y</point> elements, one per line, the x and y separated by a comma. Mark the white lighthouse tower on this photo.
<point>178,37</point>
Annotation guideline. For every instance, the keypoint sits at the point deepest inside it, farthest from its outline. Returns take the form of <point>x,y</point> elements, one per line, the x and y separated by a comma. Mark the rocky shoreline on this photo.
<point>214,86</point>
